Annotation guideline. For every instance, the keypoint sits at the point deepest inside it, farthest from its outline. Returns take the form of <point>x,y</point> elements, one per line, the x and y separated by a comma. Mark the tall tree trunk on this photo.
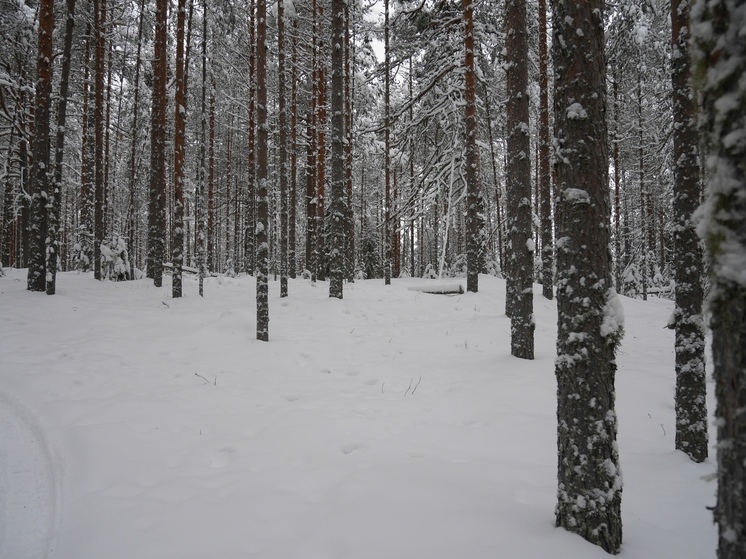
<point>250,247</point>
<point>722,49</point>
<point>590,317</point>
<point>53,229</point>
<point>338,205</point>
<point>387,148</point>
<point>320,149</point>
<point>262,253</point>
<point>493,159</point>
<point>39,185</point>
<point>283,140</point>
<point>212,258</point>
<point>157,191</point>
<point>545,175</point>
<point>644,206</point>
<point>618,268</point>
<point>349,92</point>
<point>293,202</point>
<point>99,30</point>
<point>200,204</point>
<point>131,223</point>
<point>691,381</point>
<point>520,278</point>
<point>473,238</point>
<point>180,102</point>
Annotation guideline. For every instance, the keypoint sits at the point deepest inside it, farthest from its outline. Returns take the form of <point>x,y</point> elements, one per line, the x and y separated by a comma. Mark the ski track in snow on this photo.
<point>29,485</point>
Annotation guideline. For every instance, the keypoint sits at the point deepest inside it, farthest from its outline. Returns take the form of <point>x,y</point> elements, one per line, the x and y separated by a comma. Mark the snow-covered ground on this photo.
<point>391,424</point>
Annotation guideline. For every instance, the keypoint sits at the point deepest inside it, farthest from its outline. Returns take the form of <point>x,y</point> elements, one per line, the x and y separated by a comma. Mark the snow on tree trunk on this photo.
<point>520,277</point>
<point>157,190</point>
<point>53,231</point>
<point>473,239</point>
<point>691,387</point>
<point>39,185</point>
<point>545,176</point>
<point>338,206</point>
<point>179,146</point>
<point>262,217</point>
<point>283,147</point>
<point>590,318</point>
<point>718,32</point>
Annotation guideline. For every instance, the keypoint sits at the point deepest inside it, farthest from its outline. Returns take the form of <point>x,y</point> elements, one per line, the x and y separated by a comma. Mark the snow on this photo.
<point>391,423</point>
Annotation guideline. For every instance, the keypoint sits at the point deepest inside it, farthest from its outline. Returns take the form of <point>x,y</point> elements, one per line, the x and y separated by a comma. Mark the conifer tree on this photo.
<point>589,493</point>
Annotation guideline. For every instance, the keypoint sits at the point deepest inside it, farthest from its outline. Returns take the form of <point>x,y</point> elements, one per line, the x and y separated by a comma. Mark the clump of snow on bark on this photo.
<point>576,112</point>
<point>613,316</point>
<point>576,196</point>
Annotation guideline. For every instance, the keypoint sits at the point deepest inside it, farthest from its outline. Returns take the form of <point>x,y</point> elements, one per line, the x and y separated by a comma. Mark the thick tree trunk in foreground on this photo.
<point>473,239</point>
<point>520,277</point>
<point>157,190</point>
<point>590,318</point>
<point>180,101</point>
<point>545,174</point>
<point>39,185</point>
<point>338,207</point>
<point>262,210</point>
<point>691,381</point>
<point>723,51</point>
<point>53,230</point>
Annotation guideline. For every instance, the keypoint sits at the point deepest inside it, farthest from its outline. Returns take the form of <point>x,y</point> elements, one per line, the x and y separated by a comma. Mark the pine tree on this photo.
<point>691,381</point>
<point>262,210</point>
<point>473,240</point>
<point>589,315</point>
<point>520,278</point>
<point>338,206</point>
<point>718,32</point>
<point>39,185</point>
<point>157,190</point>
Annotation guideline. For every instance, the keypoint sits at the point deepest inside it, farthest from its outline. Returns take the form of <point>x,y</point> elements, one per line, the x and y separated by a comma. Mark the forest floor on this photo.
<point>390,424</point>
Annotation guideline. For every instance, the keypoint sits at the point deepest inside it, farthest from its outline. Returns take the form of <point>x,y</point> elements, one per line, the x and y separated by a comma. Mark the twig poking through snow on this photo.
<point>664,429</point>
<point>203,378</point>
<point>416,385</point>
<point>410,385</point>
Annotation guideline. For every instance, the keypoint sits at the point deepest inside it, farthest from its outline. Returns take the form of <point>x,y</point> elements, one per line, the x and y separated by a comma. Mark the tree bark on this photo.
<point>283,147</point>
<point>590,323</point>
<point>719,28</point>
<point>338,206</point>
<point>545,175</point>
<point>53,231</point>
<point>99,30</point>
<point>520,277</point>
<point>262,246</point>
<point>157,190</point>
<point>691,380</point>
<point>473,238</point>
<point>39,184</point>
<point>180,103</point>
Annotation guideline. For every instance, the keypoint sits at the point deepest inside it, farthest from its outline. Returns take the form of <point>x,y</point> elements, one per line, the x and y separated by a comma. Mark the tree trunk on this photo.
<point>338,206</point>
<point>520,277</point>
<point>545,175</point>
<point>723,51</point>
<point>473,239</point>
<point>157,190</point>
<point>262,252</point>
<point>99,30</point>
<point>691,380</point>
<point>590,323</point>
<point>53,230</point>
<point>180,102</point>
<point>387,148</point>
<point>200,213</point>
<point>39,185</point>
<point>284,169</point>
